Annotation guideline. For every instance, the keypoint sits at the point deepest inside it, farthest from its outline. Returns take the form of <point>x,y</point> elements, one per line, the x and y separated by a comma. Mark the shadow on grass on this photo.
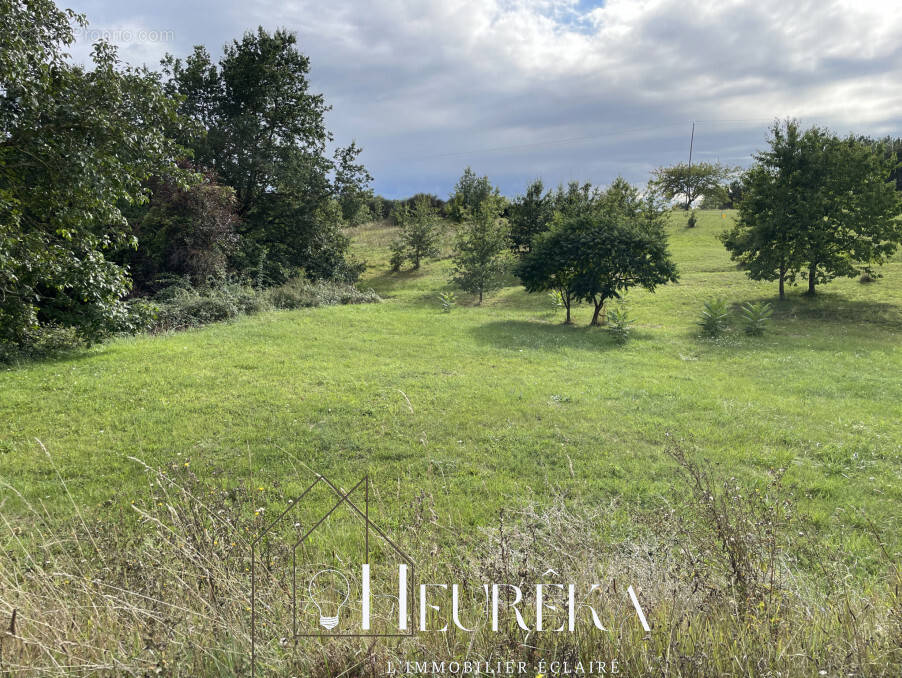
<point>524,334</point>
<point>387,281</point>
<point>828,307</point>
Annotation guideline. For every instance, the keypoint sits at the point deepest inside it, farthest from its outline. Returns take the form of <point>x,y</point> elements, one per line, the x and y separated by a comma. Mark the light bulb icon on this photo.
<point>329,590</point>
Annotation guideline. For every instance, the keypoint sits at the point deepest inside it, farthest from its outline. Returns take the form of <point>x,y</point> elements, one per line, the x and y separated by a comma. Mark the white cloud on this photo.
<point>413,79</point>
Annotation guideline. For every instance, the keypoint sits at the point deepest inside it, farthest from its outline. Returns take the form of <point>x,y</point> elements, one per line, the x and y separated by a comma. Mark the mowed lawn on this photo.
<point>487,407</point>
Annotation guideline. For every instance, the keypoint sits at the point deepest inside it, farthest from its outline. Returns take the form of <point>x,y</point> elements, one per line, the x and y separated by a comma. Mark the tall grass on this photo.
<point>730,580</point>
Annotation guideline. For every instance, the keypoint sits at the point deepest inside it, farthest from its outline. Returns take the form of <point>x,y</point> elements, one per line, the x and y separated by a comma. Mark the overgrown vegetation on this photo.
<point>98,197</point>
<point>724,577</point>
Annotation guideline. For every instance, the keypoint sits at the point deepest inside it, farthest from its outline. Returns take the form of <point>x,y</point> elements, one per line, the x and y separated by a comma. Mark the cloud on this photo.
<point>561,88</point>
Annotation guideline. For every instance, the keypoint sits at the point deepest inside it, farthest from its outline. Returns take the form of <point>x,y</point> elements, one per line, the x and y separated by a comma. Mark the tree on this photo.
<point>815,205</point>
<point>479,257</point>
<point>188,232</point>
<point>351,185</point>
<point>469,192</point>
<point>689,183</point>
<point>262,131</point>
<point>419,234</point>
<point>76,147</point>
<point>530,214</point>
<point>600,252</point>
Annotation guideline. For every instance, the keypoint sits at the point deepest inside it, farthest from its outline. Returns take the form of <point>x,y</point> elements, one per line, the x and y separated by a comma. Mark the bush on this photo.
<point>303,293</point>
<point>619,323</point>
<point>41,341</point>
<point>692,220</point>
<point>183,306</point>
<point>756,317</point>
<point>715,318</point>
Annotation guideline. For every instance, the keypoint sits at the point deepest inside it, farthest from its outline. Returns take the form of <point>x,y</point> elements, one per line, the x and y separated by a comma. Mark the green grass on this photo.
<point>488,406</point>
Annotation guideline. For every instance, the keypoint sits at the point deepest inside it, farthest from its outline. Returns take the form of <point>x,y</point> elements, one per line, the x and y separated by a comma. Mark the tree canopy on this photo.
<point>597,253</point>
<point>480,253</point>
<point>815,205</point>
<point>76,148</point>
<point>262,131</point>
<point>688,183</point>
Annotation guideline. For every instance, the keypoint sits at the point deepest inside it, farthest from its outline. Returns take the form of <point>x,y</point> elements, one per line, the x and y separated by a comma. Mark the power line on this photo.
<point>553,142</point>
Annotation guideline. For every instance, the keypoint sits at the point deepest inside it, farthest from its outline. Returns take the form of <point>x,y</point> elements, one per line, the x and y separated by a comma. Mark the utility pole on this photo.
<point>689,178</point>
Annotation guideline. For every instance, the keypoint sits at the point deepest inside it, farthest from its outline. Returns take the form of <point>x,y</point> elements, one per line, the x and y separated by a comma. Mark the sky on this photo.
<point>554,89</point>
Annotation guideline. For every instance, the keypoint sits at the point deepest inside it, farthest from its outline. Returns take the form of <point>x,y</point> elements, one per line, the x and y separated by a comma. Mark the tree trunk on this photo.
<point>812,272</point>
<point>480,296</point>
<point>782,279</point>
<point>566,300</point>
<point>598,309</point>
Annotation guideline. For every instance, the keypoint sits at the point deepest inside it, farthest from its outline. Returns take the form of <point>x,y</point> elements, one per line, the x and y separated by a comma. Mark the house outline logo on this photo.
<point>343,499</point>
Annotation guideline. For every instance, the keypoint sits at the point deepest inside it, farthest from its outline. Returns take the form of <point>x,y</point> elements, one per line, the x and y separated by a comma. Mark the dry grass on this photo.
<point>731,582</point>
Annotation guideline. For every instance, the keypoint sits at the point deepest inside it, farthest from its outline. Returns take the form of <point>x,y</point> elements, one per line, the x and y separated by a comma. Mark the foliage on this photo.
<point>692,221</point>
<point>702,179</point>
<point>183,232</point>
<point>480,250</point>
<point>77,145</point>
<point>418,238</point>
<point>180,305</point>
<point>575,199</point>
<point>447,301</point>
<point>815,204</point>
<point>469,192</point>
<point>715,317</point>
<point>756,317</point>
<point>612,244</point>
<point>350,183</point>
<point>620,325</point>
<point>262,129</point>
<point>302,293</point>
<point>529,215</point>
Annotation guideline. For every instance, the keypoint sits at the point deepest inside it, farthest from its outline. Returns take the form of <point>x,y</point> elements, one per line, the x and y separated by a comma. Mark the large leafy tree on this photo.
<point>263,132</point>
<point>480,252</point>
<point>598,253</point>
<point>817,206</point>
<point>690,182</point>
<point>76,146</point>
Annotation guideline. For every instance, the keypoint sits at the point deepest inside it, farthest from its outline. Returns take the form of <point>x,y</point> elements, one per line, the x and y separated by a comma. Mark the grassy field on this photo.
<point>488,406</point>
<point>456,417</point>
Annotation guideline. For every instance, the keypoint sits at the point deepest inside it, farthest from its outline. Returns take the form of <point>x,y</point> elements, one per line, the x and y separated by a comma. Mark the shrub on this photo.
<point>447,301</point>
<point>557,301</point>
<point>619,323</point>
<point>715,318</point>
<point>868,275</point>
<point>756,316</point>
<point>41,341</point>
<point>303,293</point>
<point>692,220</point>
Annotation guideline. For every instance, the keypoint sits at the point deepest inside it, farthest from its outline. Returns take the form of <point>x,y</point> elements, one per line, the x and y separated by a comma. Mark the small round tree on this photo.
<point>599,253</point>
